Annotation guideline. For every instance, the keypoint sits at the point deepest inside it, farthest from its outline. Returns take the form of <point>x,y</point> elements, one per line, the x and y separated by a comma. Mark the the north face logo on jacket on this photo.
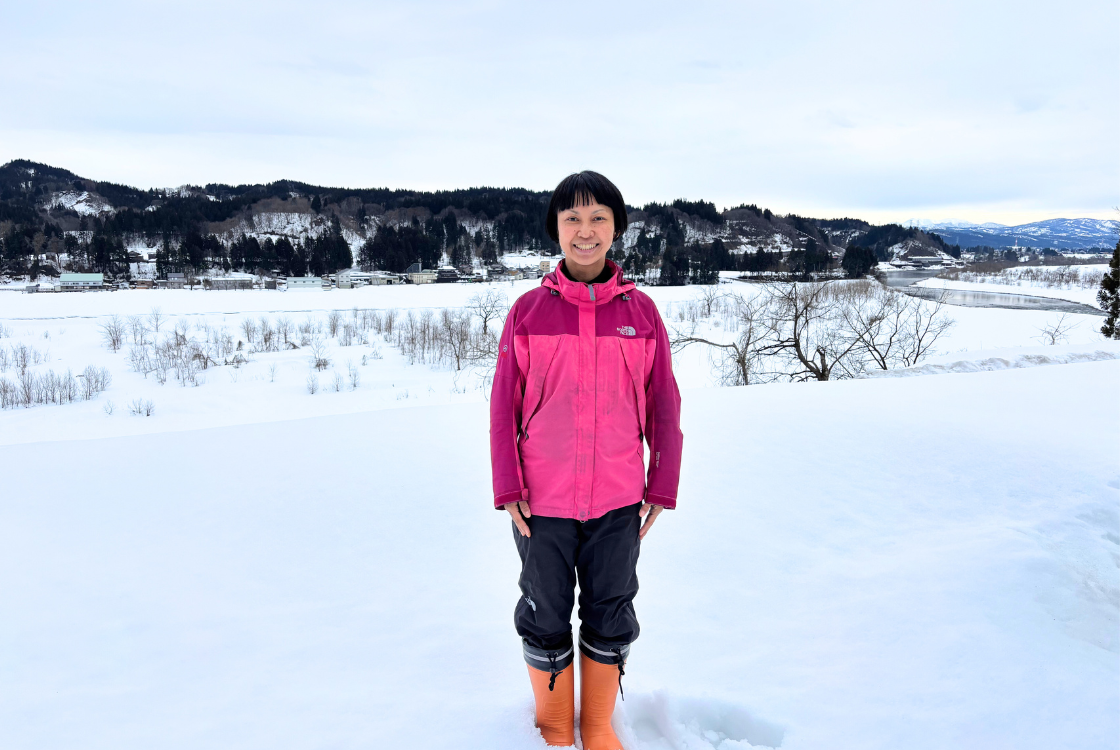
<point>627,330</point>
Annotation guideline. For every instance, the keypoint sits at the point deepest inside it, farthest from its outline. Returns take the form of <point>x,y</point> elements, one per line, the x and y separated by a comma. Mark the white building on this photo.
<point>305,282</point>
<point>80,282</point>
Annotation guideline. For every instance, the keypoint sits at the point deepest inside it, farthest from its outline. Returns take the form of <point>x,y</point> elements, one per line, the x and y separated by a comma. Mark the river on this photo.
<point>904,281</point>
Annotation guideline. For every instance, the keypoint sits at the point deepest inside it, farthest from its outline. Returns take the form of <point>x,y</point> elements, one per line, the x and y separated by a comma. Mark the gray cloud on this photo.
<point>995,110</point>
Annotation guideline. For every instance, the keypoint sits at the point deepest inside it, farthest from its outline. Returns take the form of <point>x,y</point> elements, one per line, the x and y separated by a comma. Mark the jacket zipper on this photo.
<point>591,291</point>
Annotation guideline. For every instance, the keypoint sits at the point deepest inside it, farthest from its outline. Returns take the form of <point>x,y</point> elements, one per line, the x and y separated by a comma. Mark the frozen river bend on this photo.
<point>834,578</point>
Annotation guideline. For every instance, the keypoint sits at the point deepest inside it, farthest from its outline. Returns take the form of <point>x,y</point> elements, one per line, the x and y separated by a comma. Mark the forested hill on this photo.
<point>52,219</point>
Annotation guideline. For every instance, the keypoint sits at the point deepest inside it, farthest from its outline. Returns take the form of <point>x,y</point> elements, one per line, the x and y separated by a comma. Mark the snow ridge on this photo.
<point>997,363</point>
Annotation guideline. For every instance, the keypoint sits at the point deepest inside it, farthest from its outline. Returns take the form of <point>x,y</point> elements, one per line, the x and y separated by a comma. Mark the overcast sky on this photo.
<point>985,111</point>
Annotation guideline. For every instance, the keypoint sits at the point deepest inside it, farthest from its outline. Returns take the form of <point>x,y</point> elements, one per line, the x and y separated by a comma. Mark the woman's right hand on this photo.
<point>519,511</point>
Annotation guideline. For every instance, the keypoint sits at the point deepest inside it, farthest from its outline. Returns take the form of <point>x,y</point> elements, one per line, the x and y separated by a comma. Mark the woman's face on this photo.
<point>586,234</point>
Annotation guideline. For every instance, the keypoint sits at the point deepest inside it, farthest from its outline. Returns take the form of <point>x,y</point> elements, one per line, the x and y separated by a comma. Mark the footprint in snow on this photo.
<point>661,721</point>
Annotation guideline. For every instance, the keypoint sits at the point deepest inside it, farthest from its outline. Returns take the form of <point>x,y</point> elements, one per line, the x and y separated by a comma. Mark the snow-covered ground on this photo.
<point>1011,282</point>
<point>914,562</point>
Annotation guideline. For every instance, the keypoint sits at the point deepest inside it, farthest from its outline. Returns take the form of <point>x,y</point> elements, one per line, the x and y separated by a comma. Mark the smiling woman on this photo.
<point>584,373</point>
<point>586,215</point>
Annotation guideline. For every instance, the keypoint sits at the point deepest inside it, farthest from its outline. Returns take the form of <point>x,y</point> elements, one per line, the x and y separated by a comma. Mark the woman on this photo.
<point>584,373</point>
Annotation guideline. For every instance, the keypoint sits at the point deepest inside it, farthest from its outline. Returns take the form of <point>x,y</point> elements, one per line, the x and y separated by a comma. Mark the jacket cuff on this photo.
<point>506,497</point>
<point>669,503</point>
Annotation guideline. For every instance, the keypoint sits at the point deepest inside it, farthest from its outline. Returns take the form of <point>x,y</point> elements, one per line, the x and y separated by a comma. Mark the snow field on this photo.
<point>273,386</point>
<point>915,562</point>
<point>919,562</point>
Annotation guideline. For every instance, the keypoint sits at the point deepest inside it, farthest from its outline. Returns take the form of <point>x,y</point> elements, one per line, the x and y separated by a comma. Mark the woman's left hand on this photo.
<point>649,512</point>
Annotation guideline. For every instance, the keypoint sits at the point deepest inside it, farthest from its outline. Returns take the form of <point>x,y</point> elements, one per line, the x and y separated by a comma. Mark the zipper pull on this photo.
<point>591,290</point>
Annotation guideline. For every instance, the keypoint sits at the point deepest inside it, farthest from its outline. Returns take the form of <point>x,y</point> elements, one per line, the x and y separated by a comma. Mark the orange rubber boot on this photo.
<point>556,708</point>
<point>598,686</point>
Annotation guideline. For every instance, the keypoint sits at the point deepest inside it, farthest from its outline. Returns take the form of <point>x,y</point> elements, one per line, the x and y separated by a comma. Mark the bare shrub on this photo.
<point>312,383</point>
<point>249,329</point>
<point>334,320</point>
<point>112,333</point>
<point>319,359</point>
<point>348,334</point>
<point>155,319</point>
<point>94,381</point>
<point>285,330</point>
<point>138,330</point>
<point>141,408</point>
<point>355,376</point>
<point>1057,332</point>
<point>269,340</point>
<point>337,382</point>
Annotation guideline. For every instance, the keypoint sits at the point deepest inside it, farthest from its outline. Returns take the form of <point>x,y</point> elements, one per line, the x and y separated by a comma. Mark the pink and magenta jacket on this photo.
<point>584,373</point>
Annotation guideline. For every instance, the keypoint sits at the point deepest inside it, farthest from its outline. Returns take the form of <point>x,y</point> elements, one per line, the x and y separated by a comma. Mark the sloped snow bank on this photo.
<point>917,563</point>
<point>1011,359</point>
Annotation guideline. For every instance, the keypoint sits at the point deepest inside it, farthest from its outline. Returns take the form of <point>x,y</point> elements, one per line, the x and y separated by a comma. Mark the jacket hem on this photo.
<point>556,511</point>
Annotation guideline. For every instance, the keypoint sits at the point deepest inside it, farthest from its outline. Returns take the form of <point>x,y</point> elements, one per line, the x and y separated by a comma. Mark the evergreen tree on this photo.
<point>858,261</point>
<point>721,256</point>
<point>671,268</point>
<point>1109,296</point>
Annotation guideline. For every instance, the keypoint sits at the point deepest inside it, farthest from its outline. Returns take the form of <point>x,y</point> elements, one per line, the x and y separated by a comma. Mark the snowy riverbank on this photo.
<point>1013,281</point>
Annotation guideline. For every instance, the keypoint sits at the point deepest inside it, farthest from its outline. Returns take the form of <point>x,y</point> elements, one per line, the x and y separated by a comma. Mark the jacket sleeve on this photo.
<point>506,396</point>
<point>663,424</point>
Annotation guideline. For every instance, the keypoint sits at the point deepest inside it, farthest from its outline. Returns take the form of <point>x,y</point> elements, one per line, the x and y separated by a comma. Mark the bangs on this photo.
<point>583,189</point>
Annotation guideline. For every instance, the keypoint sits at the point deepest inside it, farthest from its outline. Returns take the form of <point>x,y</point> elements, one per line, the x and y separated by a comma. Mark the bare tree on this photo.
<point>736,362</point>
<point>319,359</point>
<point>112,333</point>
<point>1057,332</point>
<point>894,329</point>
<point>155,319</point>
<point>806,331</point>
<point>710,297</point>
<point>455,334</point>
<point>491,306</point>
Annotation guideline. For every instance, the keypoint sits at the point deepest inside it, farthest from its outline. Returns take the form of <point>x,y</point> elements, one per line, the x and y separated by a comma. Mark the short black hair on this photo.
<point>580,189</point>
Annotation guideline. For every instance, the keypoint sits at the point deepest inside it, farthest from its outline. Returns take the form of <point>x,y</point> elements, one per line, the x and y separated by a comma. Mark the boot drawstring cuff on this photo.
<point>554,662</point>
<point>619,660</point>
<point>615,656</point>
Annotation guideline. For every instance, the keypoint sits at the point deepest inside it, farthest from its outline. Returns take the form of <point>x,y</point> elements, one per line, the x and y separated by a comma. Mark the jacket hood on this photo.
<point>576,291</point>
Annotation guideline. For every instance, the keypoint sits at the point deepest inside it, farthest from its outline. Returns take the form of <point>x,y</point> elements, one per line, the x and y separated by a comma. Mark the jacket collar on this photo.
<point>575,291</point>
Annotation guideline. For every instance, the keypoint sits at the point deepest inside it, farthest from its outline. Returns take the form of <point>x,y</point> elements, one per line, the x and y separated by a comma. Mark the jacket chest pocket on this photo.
<point>542,353</point>
<point>633,356</point>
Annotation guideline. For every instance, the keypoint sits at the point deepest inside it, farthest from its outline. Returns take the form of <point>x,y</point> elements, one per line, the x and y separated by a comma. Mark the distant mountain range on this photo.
<point>52,219</point>
<point>1060,234</point>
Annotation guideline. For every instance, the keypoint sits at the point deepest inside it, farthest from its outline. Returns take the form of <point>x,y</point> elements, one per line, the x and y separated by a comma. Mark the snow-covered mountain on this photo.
<point>1060,234</point>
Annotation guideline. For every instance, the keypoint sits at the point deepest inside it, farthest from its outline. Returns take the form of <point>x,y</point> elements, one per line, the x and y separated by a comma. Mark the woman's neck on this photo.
<point>585,274</point>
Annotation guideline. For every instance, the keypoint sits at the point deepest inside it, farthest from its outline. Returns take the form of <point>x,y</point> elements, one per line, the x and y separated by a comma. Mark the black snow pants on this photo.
<point>602,554</point>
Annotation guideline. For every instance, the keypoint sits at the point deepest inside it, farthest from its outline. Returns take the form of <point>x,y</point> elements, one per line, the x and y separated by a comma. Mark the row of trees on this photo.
<point>820,331</point>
